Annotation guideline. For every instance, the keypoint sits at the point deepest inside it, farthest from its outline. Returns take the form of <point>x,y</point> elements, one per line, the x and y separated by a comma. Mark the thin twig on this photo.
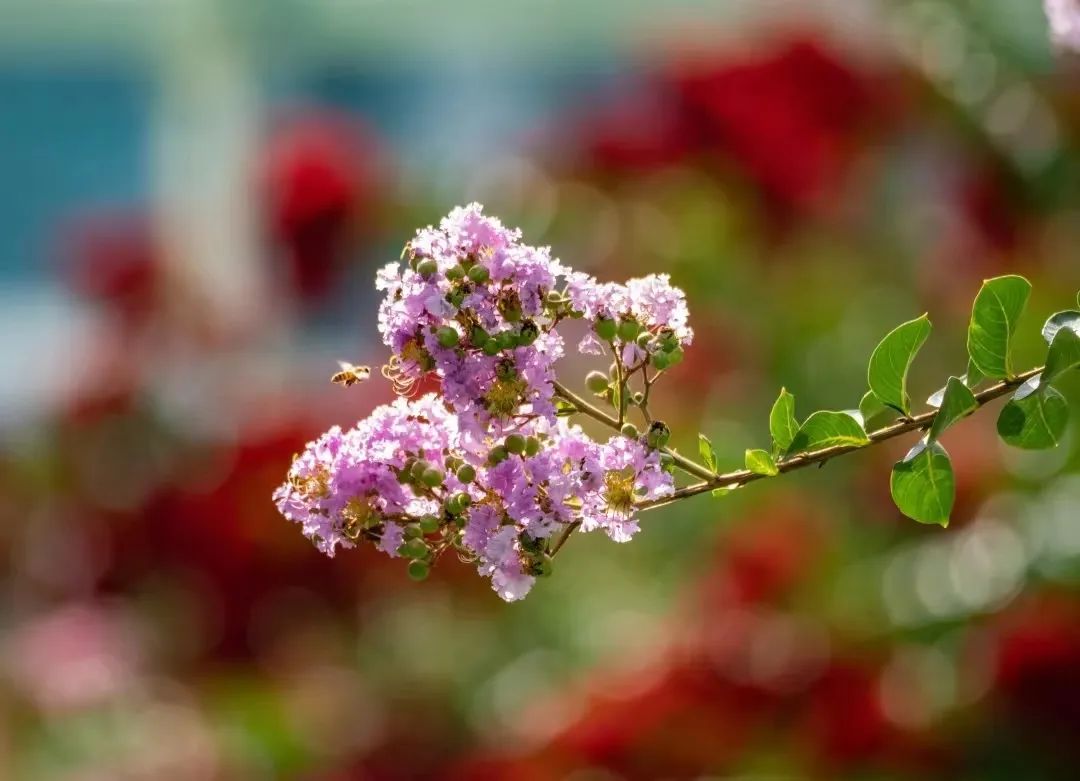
<point>917,423</point>
<point>584,407</point>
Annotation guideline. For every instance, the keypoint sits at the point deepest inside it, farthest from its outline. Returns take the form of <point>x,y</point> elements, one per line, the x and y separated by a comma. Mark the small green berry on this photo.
<point>515,443</point>
<point>419,570</point>
<point>466,473</point>
<point>675,356</point>
<point>506,340</point>
<point>532,446</point>
<point>497,455</point>
<point>455,272</point>
<point>491,347</point>
<point>479,274</point>
<point>597,382</point>
<point>529,333</point>
<point>427,268</point>
<point>661,360</point>
<point>478,336</point>
<point>413,530</point>
<point>429,524</point>
<point>629,430</point>
<point>418,468</point>
<point>447,336</point>
<point>605,328</point>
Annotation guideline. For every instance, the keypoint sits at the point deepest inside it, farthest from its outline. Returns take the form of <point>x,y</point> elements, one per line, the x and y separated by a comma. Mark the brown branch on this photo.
<point>918,423</point>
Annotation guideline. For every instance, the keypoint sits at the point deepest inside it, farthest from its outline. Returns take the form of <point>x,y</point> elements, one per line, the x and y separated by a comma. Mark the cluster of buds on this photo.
<point>490,467</point>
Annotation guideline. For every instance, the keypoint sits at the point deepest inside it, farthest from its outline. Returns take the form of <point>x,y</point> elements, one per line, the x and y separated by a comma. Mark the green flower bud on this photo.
<point>418,468</point>
<point>661,360</point>
<point>532,446</point>
<point>466,473</point>
<point>529,333</point>
<point>431,478</point>
<point>506,340</point>
<point>629,430</point>
<point>643,340</point>
<point>491,347</point>
<point>605,328</point>
<point>505,370</point>
<point>461,500</point>
<point>597,382</point>
<point>415,548</point>
<point>658,435</point>
<point>479,274</point>
<point>429,524</point>
<point>497,455</point>
<point>478,336</point>
<point>413,530</point>
<point>675,356</point>
<point>455,273</point>
<point>419,570</point>
<point>515,443</point>
<point>427,268</point>
<point>512,313</point>
<point>447,336</point>
<point>628,330</point>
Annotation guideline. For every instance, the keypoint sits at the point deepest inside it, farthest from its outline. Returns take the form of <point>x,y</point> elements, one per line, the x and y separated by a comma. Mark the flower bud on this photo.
<point>529,333</point>
<point>515,443</point>
<point>415,548</point>
<point>675,356</point>
<point>658,435</point>
<point>429,524</point>
<point>447,336</point>
<point>629,430</point>
<point>455,273</point>
<point>597,382</point>
<point>478,336</point>
<point>661,360</point>
<point>505,370</point>
<point>418,468</point>
<point>479,274</point>
<point>419,570</point>
<point>628,330</point>
<point>605,328</point>
<point>506,340</point>
<point>491,347</point>
<point>466,473</point>
<point>532,446</point>
<point>427,268</point>
<point>431,478</point>
<point>413,530</point>
<point>497,455</point>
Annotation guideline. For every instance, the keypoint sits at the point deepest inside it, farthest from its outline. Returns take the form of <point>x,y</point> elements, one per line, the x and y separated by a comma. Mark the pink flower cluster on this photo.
<point>487,467</point>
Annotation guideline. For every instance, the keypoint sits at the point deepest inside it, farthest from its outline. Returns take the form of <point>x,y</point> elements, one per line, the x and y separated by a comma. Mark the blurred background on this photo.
<point>194,197</point>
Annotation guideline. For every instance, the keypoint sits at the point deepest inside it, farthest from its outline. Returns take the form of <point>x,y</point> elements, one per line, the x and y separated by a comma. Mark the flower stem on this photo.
<point>921,422</point>
<point>585,408</point>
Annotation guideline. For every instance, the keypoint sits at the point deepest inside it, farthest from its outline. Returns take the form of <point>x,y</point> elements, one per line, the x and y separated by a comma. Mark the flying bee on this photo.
<point>350,375</point>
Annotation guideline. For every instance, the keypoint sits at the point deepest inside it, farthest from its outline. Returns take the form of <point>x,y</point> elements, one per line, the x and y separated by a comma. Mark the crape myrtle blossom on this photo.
<point>1064,19</point>
<point>489,468</point>
<point>405,480</point>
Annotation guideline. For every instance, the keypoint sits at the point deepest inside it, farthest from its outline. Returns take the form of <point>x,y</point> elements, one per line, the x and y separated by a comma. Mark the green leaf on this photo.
<point>707,451</point>
<point>782,423</point>
<point>828,429</point>
<point>1064,355</point>
<point>1069,319</point>
<point>923,485</point>
<point>994,316</point>
<point>957,402</point>
<point>972,376</point>
<point>761,462</point>
<point>870,407</point>
<point>1035,418</point>
<point>891,360</point>
<point>723,491</point>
